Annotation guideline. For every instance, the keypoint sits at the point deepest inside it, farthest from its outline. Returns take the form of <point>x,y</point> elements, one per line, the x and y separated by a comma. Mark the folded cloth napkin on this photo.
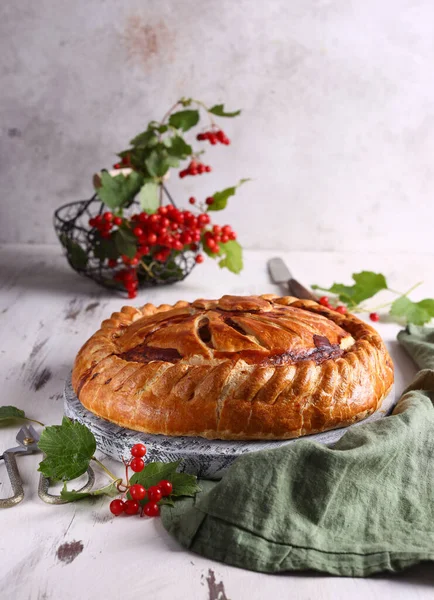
<point>366,505</point>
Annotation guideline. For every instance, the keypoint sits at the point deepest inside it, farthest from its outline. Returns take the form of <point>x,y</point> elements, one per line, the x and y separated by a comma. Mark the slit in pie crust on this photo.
<point>241,367</point>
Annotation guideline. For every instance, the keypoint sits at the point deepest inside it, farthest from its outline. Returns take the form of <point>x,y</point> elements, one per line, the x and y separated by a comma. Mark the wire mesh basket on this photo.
<point>82,249</point>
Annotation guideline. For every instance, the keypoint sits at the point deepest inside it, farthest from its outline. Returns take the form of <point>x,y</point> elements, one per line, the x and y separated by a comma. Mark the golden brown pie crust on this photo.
<point>242,367</point>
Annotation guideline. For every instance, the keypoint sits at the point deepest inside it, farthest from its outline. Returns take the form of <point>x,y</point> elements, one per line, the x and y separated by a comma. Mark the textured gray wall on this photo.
<point>337,127</point>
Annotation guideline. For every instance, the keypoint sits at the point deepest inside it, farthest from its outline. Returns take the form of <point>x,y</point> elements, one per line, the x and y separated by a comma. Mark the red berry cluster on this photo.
<point>156,235</point>
<point>103,223</point>
<point>324,301</point>
<point>218,234</point>
<point>195,168</point>
<point>214,137</point>
<point>137,492</point>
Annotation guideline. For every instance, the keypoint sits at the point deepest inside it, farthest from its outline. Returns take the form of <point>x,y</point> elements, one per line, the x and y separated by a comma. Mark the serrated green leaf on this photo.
<point>119,191</point>
<point>148,197</point>
<point>219,110</point>
<point>72,495</point>
<point>233,256</point>
<point>184,119</point>
<point>177,147</point>
<point>77,256</point>
<point>68,448</point>
<point>105,248</point>
<point>367,284</point>
<point>183,483</point>
<point>417,313</point>
<point>11,412</point>
<point>221,198</point>
<point>145,139</point>
<point>124,243</point>
<point>157,163</point>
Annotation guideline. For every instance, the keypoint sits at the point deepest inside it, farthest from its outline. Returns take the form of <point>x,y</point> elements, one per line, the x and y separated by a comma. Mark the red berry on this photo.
<point>112,262</point>
<point>132,294</point>
<point>374,317</point>
<point>131,507</point>
<point>200,137</point>
<point>92,222</point>
<point>203,219</point>
<point>201,169</point>
<point>232,235</point>
<point>117,220</point>
<point>182,174</point>
<point>138,450</point>
<point>226,229</point>
<point>117,507</point>
<point>134,261</point>
<point>137,464</point>
<point>209,201</point>
<point>163,210</point>
<point>212,138</point>
<point>216,229</point>
<point>324,301</point>
<point>192,200</point>
<point>208,169</point>
<point>224,238</point>
<point>108,216</point>
<point>193,171</point>
<point>144,250</point>
<point>177,245</point>
<point>151,509</point>
<point>137,492</point>
<point>166,487</point>
<point>341,309</point>
<point>152,238</point>
<point>117,166</point>
<point>186,238</point>
<point>138,231</point>
<point>199,259</point>
<point>154,493</point>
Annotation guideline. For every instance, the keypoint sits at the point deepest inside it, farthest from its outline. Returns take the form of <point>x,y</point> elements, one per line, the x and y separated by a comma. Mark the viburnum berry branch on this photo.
<point>368,284</point>
<point>132,246</point>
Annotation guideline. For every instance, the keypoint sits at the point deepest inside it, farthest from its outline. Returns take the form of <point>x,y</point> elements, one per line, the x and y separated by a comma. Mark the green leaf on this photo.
<point>11,412</point>
<point>176,146</point>
<point>183,484</point>
<point>417,313</point>
<point>157,163</point>
<point>148,197</point>
<point>72,495</point>
<point>221,198</point>
<point>219,110</point>
<point>76,255</point>
<point>184,119</point>
<point>68,448</point>
<point>233,256</point>
<point>145,139</point>
<point>105,248</point>
<point>367,284</point>
<point>124,243</point>
<point>120,190</point>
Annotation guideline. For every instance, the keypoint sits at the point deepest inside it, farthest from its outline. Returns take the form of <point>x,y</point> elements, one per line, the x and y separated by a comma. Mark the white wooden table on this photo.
<point>79,550</point>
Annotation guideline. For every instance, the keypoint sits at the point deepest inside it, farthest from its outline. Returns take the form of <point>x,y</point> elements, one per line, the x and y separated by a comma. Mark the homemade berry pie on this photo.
<point>242,367</point>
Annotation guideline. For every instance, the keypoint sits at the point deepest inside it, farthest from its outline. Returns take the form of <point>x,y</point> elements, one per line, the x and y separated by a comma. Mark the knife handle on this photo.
<point>299,291</point>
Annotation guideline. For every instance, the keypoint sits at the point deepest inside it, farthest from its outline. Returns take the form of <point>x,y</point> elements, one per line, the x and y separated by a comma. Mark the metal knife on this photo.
<point>280,274</point>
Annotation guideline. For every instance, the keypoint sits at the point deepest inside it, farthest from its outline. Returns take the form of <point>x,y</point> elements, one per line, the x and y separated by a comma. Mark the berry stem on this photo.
<point>104,468</point>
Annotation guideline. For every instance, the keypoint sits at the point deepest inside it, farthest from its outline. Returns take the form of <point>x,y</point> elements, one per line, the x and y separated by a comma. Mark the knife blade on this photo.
<point>280,274</point>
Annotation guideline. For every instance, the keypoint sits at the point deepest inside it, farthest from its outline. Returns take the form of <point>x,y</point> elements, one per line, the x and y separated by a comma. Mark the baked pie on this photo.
<point>242,367</point>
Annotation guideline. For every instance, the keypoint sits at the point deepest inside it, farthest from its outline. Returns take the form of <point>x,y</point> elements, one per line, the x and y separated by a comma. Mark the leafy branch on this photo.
<point>367,284</point>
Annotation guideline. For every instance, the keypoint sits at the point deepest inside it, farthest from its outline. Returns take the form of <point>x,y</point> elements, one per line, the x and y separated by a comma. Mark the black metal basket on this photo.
<point>78,239</point>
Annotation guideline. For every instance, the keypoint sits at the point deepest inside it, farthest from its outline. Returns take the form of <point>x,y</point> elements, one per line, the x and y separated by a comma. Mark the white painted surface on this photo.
<point>46,313</point>
<point>337,129</point>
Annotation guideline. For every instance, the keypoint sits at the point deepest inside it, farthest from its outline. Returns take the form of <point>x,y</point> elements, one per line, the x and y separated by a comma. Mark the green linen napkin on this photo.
<point>366,505</point>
